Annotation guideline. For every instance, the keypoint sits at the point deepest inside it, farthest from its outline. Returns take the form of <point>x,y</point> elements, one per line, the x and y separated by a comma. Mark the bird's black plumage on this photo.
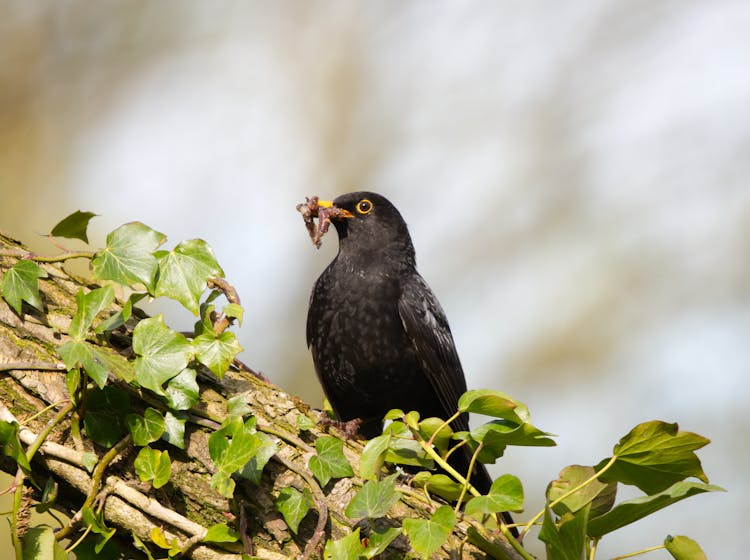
<point>378,335</point>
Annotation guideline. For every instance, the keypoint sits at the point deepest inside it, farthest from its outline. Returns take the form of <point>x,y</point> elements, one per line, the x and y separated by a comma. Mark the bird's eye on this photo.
<point>364,206</point>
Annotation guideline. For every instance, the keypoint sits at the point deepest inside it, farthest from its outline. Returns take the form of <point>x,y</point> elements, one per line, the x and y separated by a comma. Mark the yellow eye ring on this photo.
<point>364,206</point>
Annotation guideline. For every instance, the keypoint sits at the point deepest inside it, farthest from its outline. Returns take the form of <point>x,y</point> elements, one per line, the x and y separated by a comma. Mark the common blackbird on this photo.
<point>378,335</point>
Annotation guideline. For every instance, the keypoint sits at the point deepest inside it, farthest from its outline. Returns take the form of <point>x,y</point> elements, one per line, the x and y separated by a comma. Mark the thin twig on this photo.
<point>28,255</point>
<point>32,365</point>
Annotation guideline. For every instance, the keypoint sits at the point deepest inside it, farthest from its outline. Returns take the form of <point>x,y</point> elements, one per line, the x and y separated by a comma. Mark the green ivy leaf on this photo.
<point>121,317</point>
<point>105,412</point>
<point>21,283</point>
<point>237,406</point>
<point>428,428</point>
<point>329,462</point>
<point>89,306</point>
<point>96,522</point>
<point>438,484</point>
<point>428,535</point>
<point>11,444</point>
<point>49,495</point>
<point>182,391</point>
<point>683,548</point>
<point>305,423</point>
<point>403,449</point>
<point>294,506</point>
<point>373,456</point>
<point>347,548</point>
<point>184,272</point>
<point>159,538</point>
<point>654,455</point>
<point>146,428</point>
<point>506,494</point>
<point>89,460</point>
<point>495,404</point>
<point>161,353</point>
<point>98,361</point>
<point>235,311</point>
<point>253,469</point>
<point>174,429</point>
<point>40,543</point>
<point>374,499</point>
<point>74,226</point>
<point>629,511</point>
<point>379,539</point>
<point>128,256</point>
<point>217,352</point>
<point>154,465</point>
<point>234,444</point>
<point>565,540</point>
<point>600,495</point>
<point>221,533</point>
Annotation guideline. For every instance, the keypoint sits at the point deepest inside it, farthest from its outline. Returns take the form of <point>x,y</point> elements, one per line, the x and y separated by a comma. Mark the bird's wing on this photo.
<point>427,327</point>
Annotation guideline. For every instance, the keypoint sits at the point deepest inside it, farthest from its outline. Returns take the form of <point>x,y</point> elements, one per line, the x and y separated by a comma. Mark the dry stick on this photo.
<point>118,486</point>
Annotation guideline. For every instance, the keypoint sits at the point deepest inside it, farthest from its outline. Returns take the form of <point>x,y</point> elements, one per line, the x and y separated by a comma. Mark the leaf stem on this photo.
<point>589,480</point>
<point>639,552</point>
<point>53,259</point>
<point>96,481</point>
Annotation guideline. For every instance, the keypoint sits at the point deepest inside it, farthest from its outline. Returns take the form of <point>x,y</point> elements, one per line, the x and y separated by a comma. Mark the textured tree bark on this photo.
<point>32,377</point>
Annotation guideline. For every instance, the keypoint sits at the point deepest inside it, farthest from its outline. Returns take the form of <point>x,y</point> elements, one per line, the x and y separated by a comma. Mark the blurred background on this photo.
<point>576,178</point>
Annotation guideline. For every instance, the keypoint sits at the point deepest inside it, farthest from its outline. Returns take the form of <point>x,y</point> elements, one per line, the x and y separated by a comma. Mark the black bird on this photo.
<point>378,335</point>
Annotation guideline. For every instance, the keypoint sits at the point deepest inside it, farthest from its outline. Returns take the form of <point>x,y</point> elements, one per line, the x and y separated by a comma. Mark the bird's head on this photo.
<point>369,224</point>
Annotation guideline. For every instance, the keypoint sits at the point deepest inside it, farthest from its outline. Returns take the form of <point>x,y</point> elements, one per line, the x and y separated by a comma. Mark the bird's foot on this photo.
<point>350,428</point>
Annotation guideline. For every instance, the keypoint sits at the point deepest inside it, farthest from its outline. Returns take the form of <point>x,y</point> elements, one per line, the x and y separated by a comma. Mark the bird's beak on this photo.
<point>341,213</point>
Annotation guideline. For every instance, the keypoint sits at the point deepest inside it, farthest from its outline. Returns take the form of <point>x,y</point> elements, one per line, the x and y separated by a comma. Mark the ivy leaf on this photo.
<point>497,434</point>
<point>146,428</point>
<point>182,391</point>
<point>683,548</point>
<point>89,460</point>
<point>98,361</point>
<point>305,423</point>
<point>233,445</point>
<point>159,538</point>
<point>89,306</point>
<point>162,353</point>
<point>184,272</point>
<point>600,495</point>
<point>105,412</point>
<point>74,226</point>
<point>39,542</point>
<point>506,494</point>
<point>11,444</point>
<point>21,283</point>
<point>428,429</point>
<point>438,484</point>
<point>128,256</point>
<point>329,462</point>
<point>121,317</point>
<point>294,506</point>
<point>565,540</point>
<point>217,352</point>
<point>174,429</point>
<point>403,449</point>
<point>154,465</point>
<point>347,548</point>
<point>428,535</point>
<point>379,539</point>
<point>493,403</point>
<point>235,311</point>
<point>253,469</point>
<point>96,522</point>
<point>654,455</point>
<point>374,499</point>
<point>373,456</point>
<point>49,495</point>
<point>629,511</point>
<point>220,533</point>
